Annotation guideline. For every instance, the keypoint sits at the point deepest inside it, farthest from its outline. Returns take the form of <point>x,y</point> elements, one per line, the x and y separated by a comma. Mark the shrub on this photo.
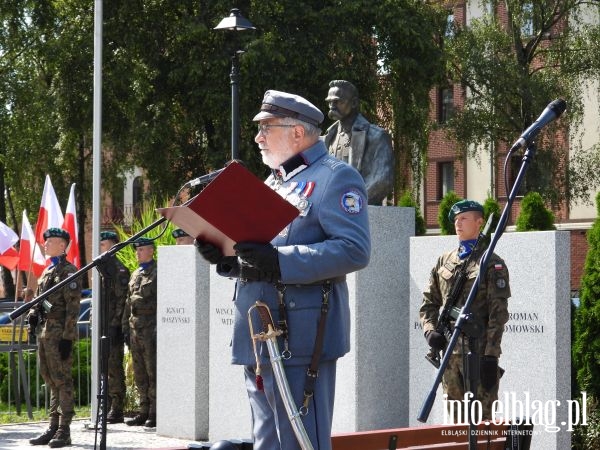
<point>586,345</point>
<point>534,215</point>
<point>407,200</point>
<point>446,225</point>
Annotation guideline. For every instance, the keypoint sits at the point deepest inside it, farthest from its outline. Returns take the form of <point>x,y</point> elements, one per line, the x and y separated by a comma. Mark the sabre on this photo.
<point>269,335</point>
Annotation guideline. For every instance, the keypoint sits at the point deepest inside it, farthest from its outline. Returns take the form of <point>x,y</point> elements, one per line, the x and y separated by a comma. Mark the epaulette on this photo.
<point>332,163</point>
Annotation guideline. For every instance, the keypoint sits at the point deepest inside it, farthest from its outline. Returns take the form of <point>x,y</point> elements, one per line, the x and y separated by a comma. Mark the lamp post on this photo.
<point>235,22</point>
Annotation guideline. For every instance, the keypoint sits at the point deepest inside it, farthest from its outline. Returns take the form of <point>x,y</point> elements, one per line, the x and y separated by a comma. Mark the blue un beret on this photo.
<point>109,236</point>
<point>282,104</point>
<point>464,206</point>
<point>141,242</point>
<point>57,232</point>
<point>178,232</point>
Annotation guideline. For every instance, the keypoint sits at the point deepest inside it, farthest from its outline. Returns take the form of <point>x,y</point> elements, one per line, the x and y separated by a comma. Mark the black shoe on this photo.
<point>62,437</point>
<point>115,417</point>
<point>138,420</point>
<point>45,437</point>
<point>151,422</point>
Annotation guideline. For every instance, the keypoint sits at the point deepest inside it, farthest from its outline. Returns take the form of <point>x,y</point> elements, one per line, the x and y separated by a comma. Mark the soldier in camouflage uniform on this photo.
<point>139,329</point>
<point>56,329</point>
<point>490,308</point>
<point>181,237</point>
<point>117,285</point>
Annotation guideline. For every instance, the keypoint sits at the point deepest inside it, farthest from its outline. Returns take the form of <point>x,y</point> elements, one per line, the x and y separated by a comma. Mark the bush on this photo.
<point>148,216</point>
<point>586,345</point>
<point>534,215</point>
<point>408,201</point>
<point>446,225</point>
<point>491,206</point>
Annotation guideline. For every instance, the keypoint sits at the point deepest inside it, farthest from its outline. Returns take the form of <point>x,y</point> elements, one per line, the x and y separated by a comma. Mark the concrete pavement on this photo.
<point>118,436</point>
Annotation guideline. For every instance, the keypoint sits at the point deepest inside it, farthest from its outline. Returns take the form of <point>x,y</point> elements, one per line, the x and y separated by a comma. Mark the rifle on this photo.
<point>451,311</point>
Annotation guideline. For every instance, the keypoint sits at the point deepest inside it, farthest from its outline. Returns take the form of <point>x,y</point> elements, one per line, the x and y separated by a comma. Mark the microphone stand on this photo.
<point>463,321</point>
<point>100,262</point>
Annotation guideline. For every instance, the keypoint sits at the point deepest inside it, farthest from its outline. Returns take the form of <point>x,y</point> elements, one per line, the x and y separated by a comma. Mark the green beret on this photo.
<point>178,233</point>
<point>141,242</point>
<point>57,232</point>
<point>464,206</point>
<point>109,236</point>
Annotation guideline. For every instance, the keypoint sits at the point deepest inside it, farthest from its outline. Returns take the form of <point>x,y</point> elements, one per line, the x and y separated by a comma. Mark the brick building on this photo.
<point>449,171</point>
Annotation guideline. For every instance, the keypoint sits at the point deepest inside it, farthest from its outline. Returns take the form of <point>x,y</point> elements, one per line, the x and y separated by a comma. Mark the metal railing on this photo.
<point>20,380</point>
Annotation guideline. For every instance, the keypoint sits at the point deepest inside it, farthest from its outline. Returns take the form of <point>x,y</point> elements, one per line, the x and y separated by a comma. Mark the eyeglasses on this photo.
<point>265,127</point>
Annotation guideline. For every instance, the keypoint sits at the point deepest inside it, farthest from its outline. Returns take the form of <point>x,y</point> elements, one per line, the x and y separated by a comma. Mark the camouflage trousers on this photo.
<point>116,375</point>
<point>56,373</point>
<point>143,356</point>
<point>453,383</point>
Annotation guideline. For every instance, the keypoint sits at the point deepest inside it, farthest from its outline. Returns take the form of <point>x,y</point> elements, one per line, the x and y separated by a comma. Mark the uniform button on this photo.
<point>292,304</point>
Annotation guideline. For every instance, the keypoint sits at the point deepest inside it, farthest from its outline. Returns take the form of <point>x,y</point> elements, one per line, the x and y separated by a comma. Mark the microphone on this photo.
<point>204,179</point>
<point>552,111</point>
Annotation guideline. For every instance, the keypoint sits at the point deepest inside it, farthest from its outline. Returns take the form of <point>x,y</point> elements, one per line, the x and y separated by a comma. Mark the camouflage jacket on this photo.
<point>117,291</point>
<point>140,306</point>
<point>490,305</point>
<point>61,321</point>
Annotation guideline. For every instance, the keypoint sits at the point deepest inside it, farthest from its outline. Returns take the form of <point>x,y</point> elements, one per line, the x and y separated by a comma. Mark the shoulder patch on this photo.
<point>351,202</point>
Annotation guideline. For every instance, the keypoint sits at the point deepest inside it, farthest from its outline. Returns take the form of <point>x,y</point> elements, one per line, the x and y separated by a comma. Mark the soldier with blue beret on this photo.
<point>57,232</point>
<point>301,271</point>
<point>116,281</point>
<point>139,330</point>
<point>464,206</point>
<point>143,242</point>
<point>181,237</point>
<point>490,308</point>
<point>56,328</point>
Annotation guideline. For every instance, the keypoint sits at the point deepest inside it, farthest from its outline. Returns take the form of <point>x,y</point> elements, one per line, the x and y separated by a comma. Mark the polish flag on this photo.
<point>9,257</point>
<point>70,225</point>
<point>30,254</point>
<point>50,215</point>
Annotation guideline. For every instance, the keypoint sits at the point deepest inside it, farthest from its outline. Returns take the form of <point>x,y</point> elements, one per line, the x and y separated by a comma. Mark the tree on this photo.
<point>511,69</point>
<point>534,216</point>
<point>586,345</point>
<point>166,87</point>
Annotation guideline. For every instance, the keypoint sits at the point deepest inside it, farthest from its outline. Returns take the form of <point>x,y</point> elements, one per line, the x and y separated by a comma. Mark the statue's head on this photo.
<point>342,99</point>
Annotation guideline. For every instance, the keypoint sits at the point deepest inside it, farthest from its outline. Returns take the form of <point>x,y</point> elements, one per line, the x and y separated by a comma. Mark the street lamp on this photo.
<point>235,22</point>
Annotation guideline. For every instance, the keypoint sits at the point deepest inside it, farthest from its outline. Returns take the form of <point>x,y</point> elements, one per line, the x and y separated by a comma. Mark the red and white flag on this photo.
<point>70,225</point>
<point>50,215</point>
<point>9,257</point>
<point>30,254</point>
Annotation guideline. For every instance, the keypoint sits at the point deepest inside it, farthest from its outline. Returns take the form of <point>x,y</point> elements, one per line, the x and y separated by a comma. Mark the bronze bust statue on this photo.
<point>354,140</point>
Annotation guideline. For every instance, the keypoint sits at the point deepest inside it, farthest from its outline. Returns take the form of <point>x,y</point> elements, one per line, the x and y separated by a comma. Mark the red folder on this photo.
<point>236,206</point>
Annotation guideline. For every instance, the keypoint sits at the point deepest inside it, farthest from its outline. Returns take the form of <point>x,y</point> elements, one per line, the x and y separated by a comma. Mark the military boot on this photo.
<point>62,437</point>
<point>114,416</point>
<point>45,437</point>
<point>138,420</point>
<point>151,422</point>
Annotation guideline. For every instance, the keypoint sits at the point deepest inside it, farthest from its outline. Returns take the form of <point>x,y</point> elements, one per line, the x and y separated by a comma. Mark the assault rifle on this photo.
<point>451,310</point>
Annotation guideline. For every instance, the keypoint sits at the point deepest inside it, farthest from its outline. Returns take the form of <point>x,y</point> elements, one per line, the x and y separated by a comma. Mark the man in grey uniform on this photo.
<point>292,274</point>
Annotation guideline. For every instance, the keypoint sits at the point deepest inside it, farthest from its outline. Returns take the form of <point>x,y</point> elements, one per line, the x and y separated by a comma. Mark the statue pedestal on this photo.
<point>372,380</point>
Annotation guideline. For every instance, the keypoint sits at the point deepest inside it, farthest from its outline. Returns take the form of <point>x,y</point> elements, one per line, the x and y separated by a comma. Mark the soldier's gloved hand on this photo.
<point>64,348</point>
<point>33,321</point>
<point>435,340</point>
<point>488,371</point>
<point>262,256</point>
<point>209,252</point>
